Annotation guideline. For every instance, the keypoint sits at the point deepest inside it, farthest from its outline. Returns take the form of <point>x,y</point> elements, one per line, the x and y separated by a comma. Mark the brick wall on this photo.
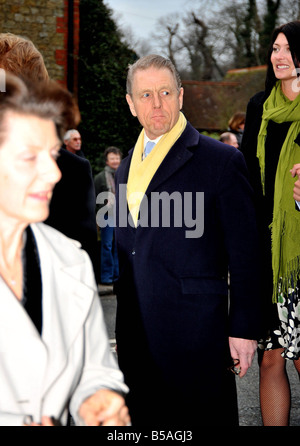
<point>46,24</point>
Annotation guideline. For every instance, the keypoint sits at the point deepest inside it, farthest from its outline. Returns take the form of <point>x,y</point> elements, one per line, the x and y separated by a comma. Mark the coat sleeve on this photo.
<point>100,369</point>
<point>249,141</point>
<point>8,419</point>
<point>241,240</point>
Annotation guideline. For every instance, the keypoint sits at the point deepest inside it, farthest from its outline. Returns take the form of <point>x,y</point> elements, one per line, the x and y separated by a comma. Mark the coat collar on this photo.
<point>67,292</point>
<point>179,154</point>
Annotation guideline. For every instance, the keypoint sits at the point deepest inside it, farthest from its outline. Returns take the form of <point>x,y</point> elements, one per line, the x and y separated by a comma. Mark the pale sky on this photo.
<point>142,15</point>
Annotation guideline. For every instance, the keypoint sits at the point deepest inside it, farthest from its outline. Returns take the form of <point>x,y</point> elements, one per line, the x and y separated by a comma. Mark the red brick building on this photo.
<point>67,57</point>
<point>53,26</point>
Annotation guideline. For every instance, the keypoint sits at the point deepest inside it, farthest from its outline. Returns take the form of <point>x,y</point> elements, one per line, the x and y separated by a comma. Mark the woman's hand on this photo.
<point>296,171</point>
<point>45,421</point>
<point>105,408</point>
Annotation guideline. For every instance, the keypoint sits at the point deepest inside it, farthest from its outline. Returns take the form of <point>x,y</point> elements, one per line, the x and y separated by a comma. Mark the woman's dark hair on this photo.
<point>112,149</point>
<point>291,30</point>
<point>47,100</point>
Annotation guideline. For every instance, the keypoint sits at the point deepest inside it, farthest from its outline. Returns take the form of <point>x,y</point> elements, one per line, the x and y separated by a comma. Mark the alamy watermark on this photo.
<point>2,81</point>
<point>160,209</point>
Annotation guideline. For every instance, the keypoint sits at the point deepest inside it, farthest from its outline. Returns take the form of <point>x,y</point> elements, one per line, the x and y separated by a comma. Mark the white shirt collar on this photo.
<point>146,139</point>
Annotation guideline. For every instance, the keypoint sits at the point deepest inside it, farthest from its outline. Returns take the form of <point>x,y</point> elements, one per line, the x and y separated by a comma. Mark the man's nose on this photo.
<point>156,100</point>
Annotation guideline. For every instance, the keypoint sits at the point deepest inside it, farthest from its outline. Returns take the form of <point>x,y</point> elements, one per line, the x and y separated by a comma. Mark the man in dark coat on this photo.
<point>176,330</point>
<point>72,207</point>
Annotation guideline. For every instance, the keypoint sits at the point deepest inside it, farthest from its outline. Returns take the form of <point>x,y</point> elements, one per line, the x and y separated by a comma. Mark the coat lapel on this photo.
<point>30,363</point>
<point>13,317</point>
<point>179,154</point>
<point>175,159</point>
<point>23,356</point>
<point>64,293</point>
<point>123,171</point>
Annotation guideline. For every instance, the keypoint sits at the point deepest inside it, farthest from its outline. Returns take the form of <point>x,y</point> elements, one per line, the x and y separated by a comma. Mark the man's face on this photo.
<point>155,100</point>
<point>74,143</point>
<point>233,141</point>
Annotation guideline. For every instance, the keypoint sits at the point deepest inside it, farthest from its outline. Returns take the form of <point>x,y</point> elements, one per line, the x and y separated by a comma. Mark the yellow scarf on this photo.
<point>142,171</point>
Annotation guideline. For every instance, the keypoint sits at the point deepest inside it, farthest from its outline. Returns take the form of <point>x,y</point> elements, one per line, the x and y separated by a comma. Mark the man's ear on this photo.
<point>131,105</point>
<point>181,97</point>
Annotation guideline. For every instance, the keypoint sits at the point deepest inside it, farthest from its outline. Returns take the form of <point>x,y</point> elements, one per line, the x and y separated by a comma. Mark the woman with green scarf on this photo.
<point>271,146</point>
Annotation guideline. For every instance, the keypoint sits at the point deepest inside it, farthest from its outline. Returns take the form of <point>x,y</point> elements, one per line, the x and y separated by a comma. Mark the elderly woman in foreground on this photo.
<point>54,350</point>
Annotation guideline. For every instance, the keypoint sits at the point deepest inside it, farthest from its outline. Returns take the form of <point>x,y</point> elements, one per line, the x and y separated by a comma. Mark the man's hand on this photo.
<point>105,408</point>
<point>244,350</point>
<point>296,171</point>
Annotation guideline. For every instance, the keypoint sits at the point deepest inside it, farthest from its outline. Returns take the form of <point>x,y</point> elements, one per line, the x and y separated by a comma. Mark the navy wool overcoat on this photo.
<point>175,310</point>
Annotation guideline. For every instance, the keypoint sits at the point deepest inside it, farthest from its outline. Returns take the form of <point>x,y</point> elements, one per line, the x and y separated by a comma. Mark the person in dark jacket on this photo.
<point>105,182</point>
<point>72,142</point>
<point>271,148</point>
<point>179,230</point>
<point>72,208</point>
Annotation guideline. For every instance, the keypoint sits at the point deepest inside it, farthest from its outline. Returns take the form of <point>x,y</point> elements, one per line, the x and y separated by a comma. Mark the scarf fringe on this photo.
<point>286,271</point>
<point>283,285</point>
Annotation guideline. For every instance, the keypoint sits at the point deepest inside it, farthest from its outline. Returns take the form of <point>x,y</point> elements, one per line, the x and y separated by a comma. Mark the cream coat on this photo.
<point>72,358</point>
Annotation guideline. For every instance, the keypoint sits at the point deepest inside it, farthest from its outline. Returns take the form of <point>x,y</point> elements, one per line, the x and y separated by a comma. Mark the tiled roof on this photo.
<point>208,105</point>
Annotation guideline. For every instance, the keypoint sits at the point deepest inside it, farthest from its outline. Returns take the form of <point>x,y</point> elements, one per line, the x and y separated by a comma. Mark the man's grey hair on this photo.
<point>69,133</point>
<point>152,60</point>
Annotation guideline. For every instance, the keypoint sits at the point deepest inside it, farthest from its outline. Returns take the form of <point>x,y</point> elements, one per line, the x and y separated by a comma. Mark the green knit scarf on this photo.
<point>285,227</point>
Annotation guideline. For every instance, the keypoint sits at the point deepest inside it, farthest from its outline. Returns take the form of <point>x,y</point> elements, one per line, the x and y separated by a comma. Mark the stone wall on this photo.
<point>45,22</point>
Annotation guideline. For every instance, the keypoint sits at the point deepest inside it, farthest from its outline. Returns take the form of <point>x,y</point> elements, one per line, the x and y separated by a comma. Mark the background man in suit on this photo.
<point>175,335</point>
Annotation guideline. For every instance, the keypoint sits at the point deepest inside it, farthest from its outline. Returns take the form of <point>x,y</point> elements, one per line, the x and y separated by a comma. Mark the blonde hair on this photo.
<point>19,56</point>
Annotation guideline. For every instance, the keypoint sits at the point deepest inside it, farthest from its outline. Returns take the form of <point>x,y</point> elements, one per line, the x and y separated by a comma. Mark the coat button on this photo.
<point>133,252</point>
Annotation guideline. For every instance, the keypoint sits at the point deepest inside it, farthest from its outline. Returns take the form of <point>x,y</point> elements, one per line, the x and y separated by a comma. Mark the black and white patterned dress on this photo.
<point>287,335</point>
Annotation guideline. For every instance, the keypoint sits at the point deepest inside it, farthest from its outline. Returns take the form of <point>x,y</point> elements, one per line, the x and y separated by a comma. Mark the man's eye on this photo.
<point>165,93</point>
<point>146,95</point>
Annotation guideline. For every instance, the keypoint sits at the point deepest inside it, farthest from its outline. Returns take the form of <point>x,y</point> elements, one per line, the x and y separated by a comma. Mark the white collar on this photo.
<point>146,139</point>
